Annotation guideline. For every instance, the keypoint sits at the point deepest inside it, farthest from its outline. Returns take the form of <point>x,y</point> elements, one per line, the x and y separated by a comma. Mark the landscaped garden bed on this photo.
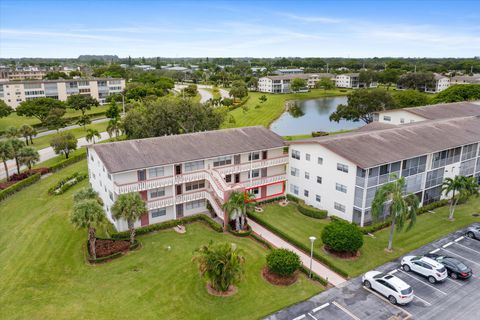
<point>109,249</point>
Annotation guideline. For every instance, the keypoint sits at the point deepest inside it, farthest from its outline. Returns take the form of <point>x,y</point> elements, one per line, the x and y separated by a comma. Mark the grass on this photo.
<point>429,227</point>
<point>44,274</point>
<point>14,120</point>
<point>273,107</point>
<point>309,135</point>
<point>44,141</point>
<point>52,161</point>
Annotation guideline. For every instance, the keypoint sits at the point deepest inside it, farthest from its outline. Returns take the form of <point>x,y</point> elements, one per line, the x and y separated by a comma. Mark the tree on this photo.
<point>55,120</point>
<point>28,132</point>
<point>5,109</point>
<point>88,214</point>
<point>87,193</point>
<point>55,75</point>
<point>253,83</point>
<point>297,83</point>
<point>28,156</point>
<point>113,112</point>
<point>130,207</point>
<point>325,84</point>
<point>40,108</point>
<point>457,93</point>
<point>82,103</point>
<point>342,236</point>
<point>362,104</point>
<point>263,98</point>
<point>400,208</point>
<point>12,132</point>
<point>234,207</point>
<point>389,77</point>
<point>17,145</point>
<point>238,90</point>
<point>92,134</point>
<point>190,90</point>
<point>461,188</point>
<point>6,153</point>
<point>367,77</point>
<point>417,81</point>
<point>410,98</point>
<point>221,264</point>
<point>283,262</point>
<point>64,143</point>
<point>114,127</point>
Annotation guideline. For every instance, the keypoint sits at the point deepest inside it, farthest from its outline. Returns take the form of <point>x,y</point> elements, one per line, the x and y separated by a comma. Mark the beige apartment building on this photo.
<point>14,93</point>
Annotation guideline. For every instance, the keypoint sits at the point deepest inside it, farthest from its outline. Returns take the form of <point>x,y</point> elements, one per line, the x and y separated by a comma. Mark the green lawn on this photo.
<point>429,227</point>
<point>44,141</point>
<point>44,275</point>
<point>273,107</point>
<point>17,121</point>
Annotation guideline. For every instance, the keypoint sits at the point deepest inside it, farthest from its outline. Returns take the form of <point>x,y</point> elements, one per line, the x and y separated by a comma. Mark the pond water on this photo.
<point>312,115</point>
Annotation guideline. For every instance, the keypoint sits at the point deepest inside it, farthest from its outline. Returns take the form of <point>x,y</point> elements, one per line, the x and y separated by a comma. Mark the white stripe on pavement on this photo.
<point>461,245</point>
<point>436,250</point>
<point>385,299</point>
<point>428,303</point>
<point>299,317</point>
<point>321,307</point>
<point>448,244</point>
<point>422,282</point>
<point>312,316</point>
<point>345,310</point>
<point>478,264</point>
<point>458,239</point>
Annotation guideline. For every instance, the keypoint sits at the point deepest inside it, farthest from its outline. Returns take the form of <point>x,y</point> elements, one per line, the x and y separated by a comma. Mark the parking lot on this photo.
<point>450,299</point>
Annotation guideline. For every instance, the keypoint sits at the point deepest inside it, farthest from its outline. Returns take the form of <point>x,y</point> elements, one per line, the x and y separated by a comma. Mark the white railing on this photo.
<point>215,206</point>
<point>189,177</point>
<point>263,181</point>
<point>161,203</point>
<point>253,165</point>
<point>143,185</point>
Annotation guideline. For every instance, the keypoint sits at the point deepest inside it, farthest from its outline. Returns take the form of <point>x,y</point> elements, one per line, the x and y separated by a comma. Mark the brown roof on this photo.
<point>375,125</point>
<point>300,75</point>
<point>372,148</point>
<point>446,110</point>
<point>150,152</point>
<point>59,80</point>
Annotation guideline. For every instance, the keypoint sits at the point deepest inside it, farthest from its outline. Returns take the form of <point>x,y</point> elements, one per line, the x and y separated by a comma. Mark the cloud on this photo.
<point>310,19</point>
<point>67,35</point>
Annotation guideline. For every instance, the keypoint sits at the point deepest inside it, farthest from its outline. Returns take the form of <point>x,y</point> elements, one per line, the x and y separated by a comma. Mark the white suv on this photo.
<point>429,268</point>
<point>393,288</point>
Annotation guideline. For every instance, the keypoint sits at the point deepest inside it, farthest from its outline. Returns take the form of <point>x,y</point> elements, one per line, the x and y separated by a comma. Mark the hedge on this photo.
<point>67,162</point>
<point>240,234</point>
<point>66,183</point>
<point>134,246</point>
<point>293,198</point>
<point>314,276</point>
<point>267,201</point>
<point>5,193</point>
<point>305,248</point>
<point>311,211</point>
<point>170,224</point>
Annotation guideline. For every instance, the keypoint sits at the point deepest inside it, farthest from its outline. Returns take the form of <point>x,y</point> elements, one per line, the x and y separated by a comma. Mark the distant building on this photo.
<point>475,79</point>
<point>26,73</point>
<point>257,70</point>
<point>352,81</point>
<point>144,67</point>
<point>14,93</point>
<point>178,69</point>
<point>281,84</point>
<point>441,83</point>
<point>288,71</point>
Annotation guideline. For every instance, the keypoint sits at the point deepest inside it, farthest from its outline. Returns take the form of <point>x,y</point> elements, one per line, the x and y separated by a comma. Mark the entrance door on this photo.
<point>179,208</point>
<point>264,154</point>
<point>179,189</point>
<point>237,177</point>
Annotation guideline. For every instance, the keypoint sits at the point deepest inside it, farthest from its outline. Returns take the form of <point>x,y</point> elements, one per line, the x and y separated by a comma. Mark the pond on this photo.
<point>312,115</point>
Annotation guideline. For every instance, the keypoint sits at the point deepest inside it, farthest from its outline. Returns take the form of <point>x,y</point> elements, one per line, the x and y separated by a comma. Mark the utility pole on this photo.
<point>415,69</point>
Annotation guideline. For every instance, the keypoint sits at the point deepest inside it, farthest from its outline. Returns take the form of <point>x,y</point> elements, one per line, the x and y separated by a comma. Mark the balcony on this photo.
<point>258,164</point>
<point>263,181</point>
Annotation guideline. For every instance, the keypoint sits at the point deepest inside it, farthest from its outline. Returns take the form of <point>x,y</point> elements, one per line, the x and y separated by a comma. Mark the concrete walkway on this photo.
<point>278,242</point>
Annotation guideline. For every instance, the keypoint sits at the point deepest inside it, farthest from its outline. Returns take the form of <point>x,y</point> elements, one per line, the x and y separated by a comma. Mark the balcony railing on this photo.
<point>258,164</point>
<point>263,181</point>
<point>144,185</point>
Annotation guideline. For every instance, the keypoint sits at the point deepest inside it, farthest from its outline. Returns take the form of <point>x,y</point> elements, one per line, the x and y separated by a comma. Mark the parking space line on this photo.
<point>461,245</point>
<point>434,251</point>
<point>448,244</point>
<point>385,299</point>
<point>321,307</point>
<point>476,263</point>
<point>393,271</point>
<point>428,303</point>
<point>454,281</point>
<point>345,310</point>
<point>312,316</point>
<point>460,238</point>
<point>299,317</point>
<point>422,281</point>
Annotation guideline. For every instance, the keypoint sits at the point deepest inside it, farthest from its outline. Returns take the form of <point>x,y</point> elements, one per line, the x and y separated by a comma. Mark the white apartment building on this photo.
<point>14,93</point>
<point>441,83</point>
<point>342,173</point>
<point>475,79</point>
<point>430,112</point>
<point>178,175</point>
<point>288,71</point>
<point>351,81</point>
<point>281,84</point>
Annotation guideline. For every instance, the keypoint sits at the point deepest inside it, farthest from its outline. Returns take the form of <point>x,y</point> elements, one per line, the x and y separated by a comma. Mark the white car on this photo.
<point>393,288</point>
<point>429,268</point>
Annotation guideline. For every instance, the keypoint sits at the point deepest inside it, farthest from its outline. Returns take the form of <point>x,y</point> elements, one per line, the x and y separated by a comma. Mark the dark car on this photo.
<point>456,269</point>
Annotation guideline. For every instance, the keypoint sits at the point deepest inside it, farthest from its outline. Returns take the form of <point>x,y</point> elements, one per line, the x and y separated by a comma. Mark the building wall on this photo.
<point>343,81</point>
<point>397,117</point>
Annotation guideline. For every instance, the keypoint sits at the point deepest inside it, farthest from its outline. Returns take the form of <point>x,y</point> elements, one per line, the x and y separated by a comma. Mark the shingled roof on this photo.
<point>376,147</point>
<point>446,110</point>
<point>150,152</point>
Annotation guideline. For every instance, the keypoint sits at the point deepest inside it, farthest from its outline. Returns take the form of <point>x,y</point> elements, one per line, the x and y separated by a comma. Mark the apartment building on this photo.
<point>179,175</point>
<point>430,112</point>
<point>352,81</point>
<point>288,71</point>
<point>26,74</point>
<point>14,93</point>
<point>342,173</point>
<point>281,84</point>
<point>475,79</point>
<point>441,83</point>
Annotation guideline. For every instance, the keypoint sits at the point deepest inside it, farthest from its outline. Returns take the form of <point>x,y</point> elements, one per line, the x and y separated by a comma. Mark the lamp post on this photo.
<point>312,239</point>
<point>123,102</point>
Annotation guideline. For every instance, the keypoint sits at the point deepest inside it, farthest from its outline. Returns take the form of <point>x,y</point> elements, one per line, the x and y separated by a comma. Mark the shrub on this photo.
<point>311,211</point>
<point>66,183</point>
<point>283,262</point>
<point>67,162</point>
<point>19,186</point>
<point>319,133</point>
<point>341,236</point>
<point>293,198</point>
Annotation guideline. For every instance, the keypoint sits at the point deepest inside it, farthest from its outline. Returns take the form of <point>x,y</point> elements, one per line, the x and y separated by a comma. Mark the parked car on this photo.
<point>473,232</point>
<point>455,268</point>
<point>429,268</point>
<point>393,288</point>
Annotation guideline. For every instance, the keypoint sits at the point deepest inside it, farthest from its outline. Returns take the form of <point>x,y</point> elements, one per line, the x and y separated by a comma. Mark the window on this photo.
<point>156,193</point>
<point>222,161</point>
<point>339,207</point>
<point>341,187</point>
<point>305,193</point>
<point>387,118</point>
<point>402,120</point>
<point>109,176</point>
<point>320,160</point>
<point>294,189</point>
<point>446,157</point>
<point>295,154</point>
<point>195,185</point>
<point>228,178</point>
<point>195,204</point>
<point>254,173</point>
<point>319,180</point>
<point>318,198</point>
<point>307,156</point>
<point>255,191</point>
<point>342,167</point>
<point>194,165</point>
<point>110,195</point>
<point>307,175</point>
<point>159,212</point>
<point>294,172</point>
<point>253,156</point>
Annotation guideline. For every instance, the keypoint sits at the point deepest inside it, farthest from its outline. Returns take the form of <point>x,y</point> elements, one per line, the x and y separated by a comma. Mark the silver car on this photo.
<point>473,232</point>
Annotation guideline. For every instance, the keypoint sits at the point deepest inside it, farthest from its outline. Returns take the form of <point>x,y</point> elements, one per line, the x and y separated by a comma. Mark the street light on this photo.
<point>312,239</point>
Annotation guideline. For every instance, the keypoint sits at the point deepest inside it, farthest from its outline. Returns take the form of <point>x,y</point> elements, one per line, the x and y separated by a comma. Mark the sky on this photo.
<point>357,29</point>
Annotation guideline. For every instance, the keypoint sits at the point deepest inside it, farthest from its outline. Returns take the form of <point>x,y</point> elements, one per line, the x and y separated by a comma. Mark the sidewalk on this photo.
<point>278,242</point>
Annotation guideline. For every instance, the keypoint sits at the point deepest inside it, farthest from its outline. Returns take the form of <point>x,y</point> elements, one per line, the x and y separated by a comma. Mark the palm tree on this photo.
<point>88,214</point>
<point>12,132</point>
<point>131,207</point>
<point>91,134</point>
<point>222,264</point>
<point>400,207</point>
<point>114,127</point>
<point>248,204</point>
<point>17,145</point>
<point>6,153</point>
<point>28,156</point>
<point>460,187</point>
<point>234,207</point>
<point>87,193</point>
<point>27,132</point>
